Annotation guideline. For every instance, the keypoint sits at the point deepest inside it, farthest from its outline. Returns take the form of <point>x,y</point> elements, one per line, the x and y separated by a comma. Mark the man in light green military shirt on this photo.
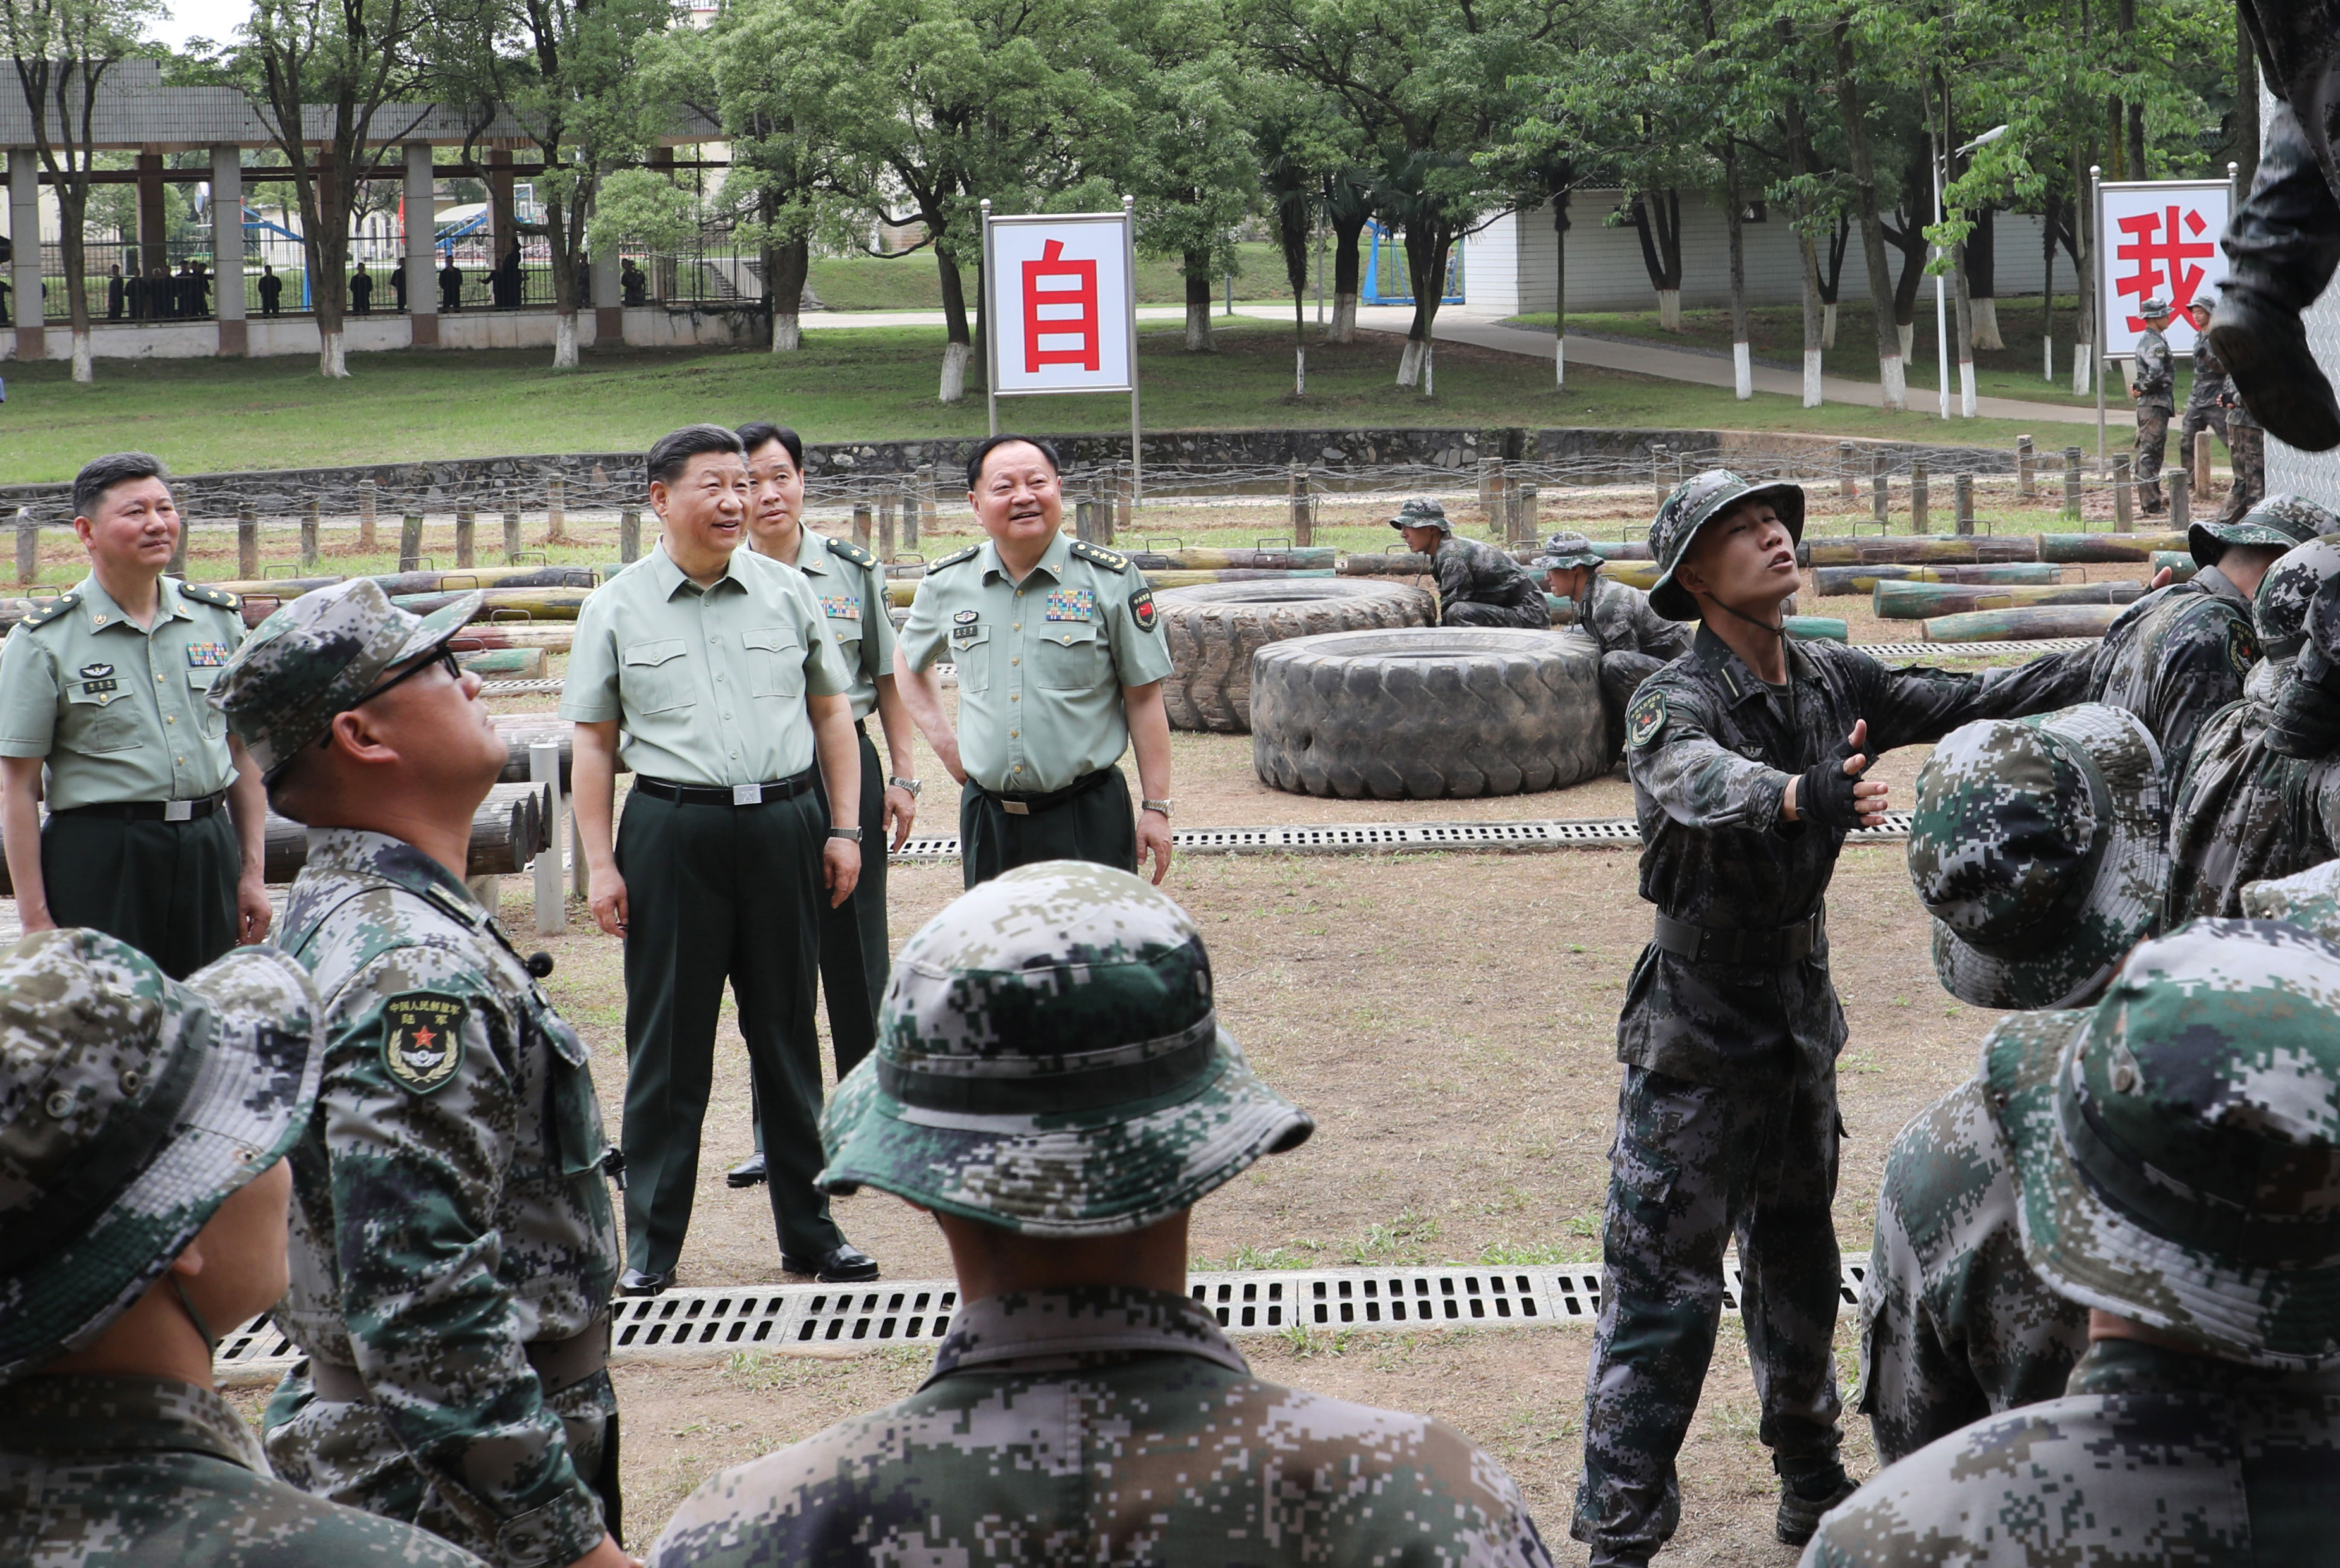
<point>156,819</point>
<point>718,666</point>
<point>1060,666</point>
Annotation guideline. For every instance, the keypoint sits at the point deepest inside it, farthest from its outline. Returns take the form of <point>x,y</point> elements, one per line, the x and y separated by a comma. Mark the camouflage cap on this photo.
<point>1420,511</point>
<point>2278,520</point>
<point>2154,306</point>
<point>2190,1179</point>
<point>2309,899</point>
<point>2037,845</point>
<point>1562,552</point>
<point>132,1106</point>
<point>318,657</point>
<point>2279,607</point>
<point>1695,502</point>
<point>1049,1060</point>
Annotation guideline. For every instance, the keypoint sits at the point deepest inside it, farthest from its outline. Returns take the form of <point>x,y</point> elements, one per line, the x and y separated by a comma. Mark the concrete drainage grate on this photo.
<point>1380,837</point>
<point>1886,651</point>
<point>827,1319</point>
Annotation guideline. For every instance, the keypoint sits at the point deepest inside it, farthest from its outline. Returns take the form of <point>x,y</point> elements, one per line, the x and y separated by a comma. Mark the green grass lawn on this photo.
<point>1776,334</point>
<point>847,383</point>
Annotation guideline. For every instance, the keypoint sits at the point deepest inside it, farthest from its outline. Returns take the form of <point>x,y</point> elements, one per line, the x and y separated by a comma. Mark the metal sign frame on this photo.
<point>2102,257</point>
<point>994,308</point>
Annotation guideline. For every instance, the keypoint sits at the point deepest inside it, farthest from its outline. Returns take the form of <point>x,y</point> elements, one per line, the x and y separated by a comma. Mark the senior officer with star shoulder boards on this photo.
<point>720,666</point>
<point>156,819</point>
<point>1060,667</point>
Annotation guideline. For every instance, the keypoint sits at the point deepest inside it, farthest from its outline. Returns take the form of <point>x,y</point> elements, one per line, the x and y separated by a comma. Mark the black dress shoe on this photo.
<point>634,1282</point>
<point>846,1264</point>
<point>2265,350</point>
<point>748,1171</point>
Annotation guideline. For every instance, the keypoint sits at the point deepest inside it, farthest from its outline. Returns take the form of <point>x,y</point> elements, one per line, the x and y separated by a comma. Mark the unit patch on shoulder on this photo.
<point>1072,604</point>
<point>2242,647</point>
<point>422,1040</point>
<point>1142,610</point>
<point>206,655</point>
<point>1111,559</point>
<point>1645,719</point>
<point>841,606</point>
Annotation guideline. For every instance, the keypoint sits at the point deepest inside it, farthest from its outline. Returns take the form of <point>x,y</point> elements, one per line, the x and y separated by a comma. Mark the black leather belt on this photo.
<point>560,1364</point>
<point>727,794</point>
<point>150,810</point>
<point>1025,804</point>
<point>1722,944</point>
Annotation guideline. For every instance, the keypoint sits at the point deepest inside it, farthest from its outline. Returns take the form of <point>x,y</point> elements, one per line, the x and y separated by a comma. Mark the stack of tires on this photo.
<point>1212,633</point>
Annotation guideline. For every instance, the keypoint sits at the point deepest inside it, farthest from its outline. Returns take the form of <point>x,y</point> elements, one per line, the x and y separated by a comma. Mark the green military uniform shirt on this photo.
<point>707,684</point>
<point>851,584</point>
<point>119,710</point>
<point>1041,664</point>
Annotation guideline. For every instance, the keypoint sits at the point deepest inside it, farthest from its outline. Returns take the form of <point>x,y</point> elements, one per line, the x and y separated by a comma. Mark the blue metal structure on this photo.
<point>1401,289</point>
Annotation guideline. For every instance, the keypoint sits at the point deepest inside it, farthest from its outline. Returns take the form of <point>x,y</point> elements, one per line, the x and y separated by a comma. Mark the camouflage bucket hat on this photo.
<point>2190,1177</point>
<point>316,657</point>
<point>1049,1060</point>
<point>2310,899</point>
<point>1695,502</point>
<point>1420,511</point>
<point>1563,550</point>
<point>2036,846</point>
<point>2279,519</point>
<point>2279,607</point>
<point>132,1106</point>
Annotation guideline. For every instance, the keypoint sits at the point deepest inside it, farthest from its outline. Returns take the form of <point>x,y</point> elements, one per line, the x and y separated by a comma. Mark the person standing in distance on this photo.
<point>156,819</point>
<point>2153,385</point>
<point>1060,667</point>
<point>718,666</point>
<point>851,583</point>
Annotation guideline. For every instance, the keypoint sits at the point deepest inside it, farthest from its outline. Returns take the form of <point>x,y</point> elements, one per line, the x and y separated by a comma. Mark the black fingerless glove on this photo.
<point>2305,723</point>
<point>1825,796</point>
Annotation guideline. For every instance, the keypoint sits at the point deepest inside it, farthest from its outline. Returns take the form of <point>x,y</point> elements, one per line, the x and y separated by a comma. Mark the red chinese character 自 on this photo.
<point>2157,244</point>
<point>1060,304</point>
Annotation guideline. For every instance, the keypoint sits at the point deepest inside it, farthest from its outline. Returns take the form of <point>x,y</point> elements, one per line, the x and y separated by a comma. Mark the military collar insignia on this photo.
<point>422,1040</point>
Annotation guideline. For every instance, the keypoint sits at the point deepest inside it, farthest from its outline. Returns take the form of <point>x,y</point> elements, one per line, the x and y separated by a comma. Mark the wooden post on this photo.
<point>1491,494</point>
<point>629,536</point>
<point>247,541</point>
<point>923,518</point>
<point>1881,488</point>
<point>410,541</point>
<point>1962,496</point>
<point>511,535</point>
<point>467,533</point>
<point>2122,498</point>
<point>1084,520</point>
<point>1848,483</point>
<point>889,502</point>
<point>2181,500</point>
<point>177,566</point>
<point>551,907</point>
<point>309,526</point>
<point>1920,496</point>
<point>2072,481</point>
<point>365,515</point>
<point>28,546</point>
<point>1523,513</point>
<point>1658,472</point>
<point>861,523</point>
<point>2027,463</point>
<point>1303,509</point>
<point>555,510</point>
<point>2201,456</point>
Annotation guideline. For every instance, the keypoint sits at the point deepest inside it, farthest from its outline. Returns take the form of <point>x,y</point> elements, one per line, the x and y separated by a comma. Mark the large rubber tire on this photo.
<point>1428,713</point>
<point>1213,631</point>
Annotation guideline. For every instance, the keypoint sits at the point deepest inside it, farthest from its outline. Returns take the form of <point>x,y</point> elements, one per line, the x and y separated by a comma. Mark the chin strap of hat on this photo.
<point>210,1340</point>
<point>1779,630</point>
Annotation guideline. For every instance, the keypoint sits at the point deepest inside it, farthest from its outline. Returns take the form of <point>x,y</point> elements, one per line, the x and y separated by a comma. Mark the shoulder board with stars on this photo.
<point>1111,559</point>
<point>219,598</point>
<point>953,559</point>
<point>846,550</point>
<point>51,611</point>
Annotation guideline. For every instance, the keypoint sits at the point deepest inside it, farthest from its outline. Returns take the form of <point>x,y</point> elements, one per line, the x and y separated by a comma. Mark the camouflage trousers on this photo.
<point>346,1453</point>
<point>2247,448</point>
<point>1693,1167</point>
<point>2152,440</point>
<point>2199,416</point>
<point>1466,612</point>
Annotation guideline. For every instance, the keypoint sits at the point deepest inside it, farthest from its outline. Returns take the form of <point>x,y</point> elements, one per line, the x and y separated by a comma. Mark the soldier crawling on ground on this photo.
<point>1479,584</point>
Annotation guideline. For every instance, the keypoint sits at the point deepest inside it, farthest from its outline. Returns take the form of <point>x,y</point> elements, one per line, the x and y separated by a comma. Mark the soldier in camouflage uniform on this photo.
<point>2036,845</point>
<point>1052,1084</point>
<point>1745,755</point>
<point>1479,584</point>
<point>1634,639</point>
<point>2206,400</point>
<point>2246,456</point>
<point>143,1124</point>
<point>454,1244</point>
<point>2154,384</point>
<point>2179,1161</point>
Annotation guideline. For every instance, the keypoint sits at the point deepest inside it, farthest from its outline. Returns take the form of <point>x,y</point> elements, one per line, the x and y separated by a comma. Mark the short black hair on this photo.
<point>101,474</point>
<point>673,451</point>
<point>992,443</point>
<point>758,433</point>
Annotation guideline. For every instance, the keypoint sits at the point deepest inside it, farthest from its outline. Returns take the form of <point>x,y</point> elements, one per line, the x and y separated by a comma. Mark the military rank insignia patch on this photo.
<point>1072,604</point>
<point>840,606</point>
<point>99,681</point>
<point>422,1040</point>
<point>206,655</point>
<point>2242,647</point>
<point>1142,610</point>
<point>1645,719</point>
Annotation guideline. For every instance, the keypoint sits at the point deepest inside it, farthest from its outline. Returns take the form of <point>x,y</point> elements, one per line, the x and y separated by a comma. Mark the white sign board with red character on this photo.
<point>2158,237</point>
<point>1060,309</point>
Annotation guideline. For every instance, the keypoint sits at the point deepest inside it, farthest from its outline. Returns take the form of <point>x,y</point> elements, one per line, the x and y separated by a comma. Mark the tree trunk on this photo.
<point>1425,265</point>
<point>1889,365</point>
<point>1964,306</point>
<point>564,339</point>
<point>1981,273</point>
<point>1832,279</point>
<point>2083,348</point>
<point>1742,365</point>
<point>73,213</point>
<point>1807,261</point>
<point>1560,284</point>
<point>791,263</point>
<point>1195,267</point>
<point>956,348</point>
<point>1348,270</point>
<point>333,355</point>
<point>1658,225</point>
<point>326,242</point>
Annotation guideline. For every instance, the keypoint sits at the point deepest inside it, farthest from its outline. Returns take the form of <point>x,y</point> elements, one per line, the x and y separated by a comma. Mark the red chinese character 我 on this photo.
<point>1060,304</point>
<point>2159,244</point>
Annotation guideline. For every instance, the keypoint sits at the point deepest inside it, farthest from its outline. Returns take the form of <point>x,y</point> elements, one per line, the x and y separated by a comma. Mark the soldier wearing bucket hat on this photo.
<point>143,1123</point>
<point>1634,639</point>
<point>2153,382</point>
<point>1746,756</point>
<point>1052,1083</point>
<point>1479,584</point>
<point>2178,1160</point>
<point>453,1240</point>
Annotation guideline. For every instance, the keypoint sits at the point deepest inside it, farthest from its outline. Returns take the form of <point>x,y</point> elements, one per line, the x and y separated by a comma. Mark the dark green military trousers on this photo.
<point>1088,820</point>
<point>167,889</point>
<point>716,893</point>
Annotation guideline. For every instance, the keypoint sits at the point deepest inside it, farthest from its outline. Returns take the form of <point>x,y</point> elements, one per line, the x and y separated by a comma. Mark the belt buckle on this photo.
<point>178,810</point>
<point>747,794</point>
<point>1017,808</point>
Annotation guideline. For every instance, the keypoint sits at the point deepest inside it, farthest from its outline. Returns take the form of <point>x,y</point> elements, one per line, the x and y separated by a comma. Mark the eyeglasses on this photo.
<point>443,659</point>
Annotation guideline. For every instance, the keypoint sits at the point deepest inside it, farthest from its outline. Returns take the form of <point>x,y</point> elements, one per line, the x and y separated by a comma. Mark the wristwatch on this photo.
<point>1161,806</point>
<point>909,786</point>
<point>852,833</point>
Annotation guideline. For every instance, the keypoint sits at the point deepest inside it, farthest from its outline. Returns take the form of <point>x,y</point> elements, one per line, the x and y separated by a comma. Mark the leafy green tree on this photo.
<point>1188,158</point>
